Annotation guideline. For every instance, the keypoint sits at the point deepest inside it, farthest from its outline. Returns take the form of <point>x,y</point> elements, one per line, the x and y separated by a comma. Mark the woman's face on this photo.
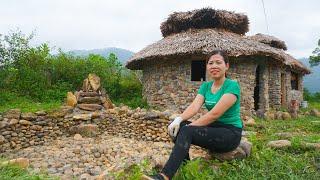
<point>216,67</point>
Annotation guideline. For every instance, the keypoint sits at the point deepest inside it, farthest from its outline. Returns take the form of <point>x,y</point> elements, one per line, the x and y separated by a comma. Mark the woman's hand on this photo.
<point>173,128</point>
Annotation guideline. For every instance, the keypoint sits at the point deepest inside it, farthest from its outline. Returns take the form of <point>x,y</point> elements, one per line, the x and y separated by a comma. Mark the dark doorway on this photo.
<point>198,70</point>
<point>257,89</point>
<point>283,90</point>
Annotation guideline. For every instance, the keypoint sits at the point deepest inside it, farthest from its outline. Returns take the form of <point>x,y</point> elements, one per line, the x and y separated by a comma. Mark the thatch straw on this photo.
<point>205,18</point>
<point>204,41</point>
<point>270,40</point>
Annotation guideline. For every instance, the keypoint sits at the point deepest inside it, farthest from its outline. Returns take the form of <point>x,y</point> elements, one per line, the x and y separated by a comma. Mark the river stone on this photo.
<point>13,122</point>
<point>41,113</point>
<point>88,94</point>
<point>279,144</point>
<point>12,114</point>
<point>25,122</point>
<point>90,107</point>
<point>28,116</point>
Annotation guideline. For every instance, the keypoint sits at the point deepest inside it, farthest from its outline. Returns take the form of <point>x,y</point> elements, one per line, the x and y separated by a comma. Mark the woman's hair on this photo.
<point>221,53</point>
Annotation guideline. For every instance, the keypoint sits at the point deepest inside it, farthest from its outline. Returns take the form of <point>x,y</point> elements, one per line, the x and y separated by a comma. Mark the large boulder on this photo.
<point>71,99</point>
<point>286,116</point>
<point>315,112</point>
<point>241,152</point>
<point>94,81</point>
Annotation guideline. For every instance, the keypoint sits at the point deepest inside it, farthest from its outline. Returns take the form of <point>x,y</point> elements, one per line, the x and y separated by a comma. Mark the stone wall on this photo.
<point>20,130</point>
<point>274,86</point>
<point>167,84</point>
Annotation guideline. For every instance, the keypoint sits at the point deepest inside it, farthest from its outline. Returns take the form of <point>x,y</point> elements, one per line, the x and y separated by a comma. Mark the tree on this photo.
<point>13,46</point>
<point>315,59</point>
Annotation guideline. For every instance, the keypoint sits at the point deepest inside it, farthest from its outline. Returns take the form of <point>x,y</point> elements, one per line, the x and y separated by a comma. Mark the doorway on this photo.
<point>283,90</point>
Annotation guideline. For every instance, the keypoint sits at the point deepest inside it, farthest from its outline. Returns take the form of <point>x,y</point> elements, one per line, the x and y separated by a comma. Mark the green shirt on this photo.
<point>232,115</point>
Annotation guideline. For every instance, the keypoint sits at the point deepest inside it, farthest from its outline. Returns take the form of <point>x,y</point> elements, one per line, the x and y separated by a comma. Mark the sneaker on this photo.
<point>153,177</point>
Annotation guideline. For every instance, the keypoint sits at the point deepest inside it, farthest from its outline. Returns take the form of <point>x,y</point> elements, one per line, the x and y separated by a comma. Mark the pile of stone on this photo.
<point>91,97</point>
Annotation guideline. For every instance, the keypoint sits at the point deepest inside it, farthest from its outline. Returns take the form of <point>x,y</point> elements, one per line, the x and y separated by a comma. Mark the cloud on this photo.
<point>89,24</point>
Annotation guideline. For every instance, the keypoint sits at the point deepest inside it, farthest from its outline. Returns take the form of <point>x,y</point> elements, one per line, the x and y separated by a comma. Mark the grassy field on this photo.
<point>296,162</point>
<point>10,100</point>
<point>11,172</point>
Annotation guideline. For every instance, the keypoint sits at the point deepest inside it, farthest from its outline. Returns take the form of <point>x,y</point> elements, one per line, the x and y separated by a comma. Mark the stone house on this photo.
<point>174,67</point>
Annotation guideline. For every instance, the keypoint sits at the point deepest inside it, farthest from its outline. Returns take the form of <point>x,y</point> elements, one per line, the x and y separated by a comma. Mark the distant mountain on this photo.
<point>311,81</point>
<point>122,54</point>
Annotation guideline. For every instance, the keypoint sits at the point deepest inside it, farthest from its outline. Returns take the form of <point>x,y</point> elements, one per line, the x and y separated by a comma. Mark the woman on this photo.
<point>219,130</point>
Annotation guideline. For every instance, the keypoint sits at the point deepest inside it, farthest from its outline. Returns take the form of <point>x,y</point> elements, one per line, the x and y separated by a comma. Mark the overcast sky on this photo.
<point>134,24</point>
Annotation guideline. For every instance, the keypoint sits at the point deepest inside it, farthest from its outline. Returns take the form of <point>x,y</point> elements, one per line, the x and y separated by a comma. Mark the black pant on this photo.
<point>217,137</point>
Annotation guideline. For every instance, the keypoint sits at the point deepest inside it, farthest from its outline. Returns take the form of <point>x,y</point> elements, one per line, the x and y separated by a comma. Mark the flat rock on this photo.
<point>314,146</point>
<point>241,152</point>
<point>41,113</point>
<point>84,117</point>
<point>21,162</point>
<point>284,134</point>
<point>279,144</point>
<point>25,122</point>
<point>88,94</point>
<point>90,107</point>
<point>90,100</point>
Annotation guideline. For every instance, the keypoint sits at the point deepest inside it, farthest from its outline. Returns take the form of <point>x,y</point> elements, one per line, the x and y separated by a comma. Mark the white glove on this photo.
<point>173,128</point>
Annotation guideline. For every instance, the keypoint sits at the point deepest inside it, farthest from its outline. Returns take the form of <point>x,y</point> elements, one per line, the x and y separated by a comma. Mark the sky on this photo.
<point>132,25</point>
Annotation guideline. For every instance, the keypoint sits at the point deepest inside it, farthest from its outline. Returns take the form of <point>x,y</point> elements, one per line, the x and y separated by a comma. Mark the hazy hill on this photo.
<point>122,54</point>
<point>311,81</point>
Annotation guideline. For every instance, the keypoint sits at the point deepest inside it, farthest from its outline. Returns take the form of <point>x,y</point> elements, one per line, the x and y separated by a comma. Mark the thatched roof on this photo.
<point>270,40</point>
<point>204,41</point>
<point>205,18</point>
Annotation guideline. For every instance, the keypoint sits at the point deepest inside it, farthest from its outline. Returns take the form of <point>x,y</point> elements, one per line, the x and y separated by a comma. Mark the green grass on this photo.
<point>10,100</point>
<point>295,162</point>
<point>10,172</point>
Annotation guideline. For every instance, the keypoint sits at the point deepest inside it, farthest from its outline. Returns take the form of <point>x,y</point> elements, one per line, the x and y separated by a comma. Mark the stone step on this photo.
<point>90,100</point>
<point>89,107</point>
